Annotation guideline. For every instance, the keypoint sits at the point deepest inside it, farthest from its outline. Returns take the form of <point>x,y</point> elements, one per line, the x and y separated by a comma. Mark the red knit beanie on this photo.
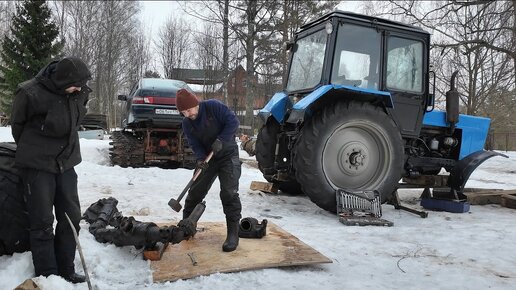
<point>185,100</point>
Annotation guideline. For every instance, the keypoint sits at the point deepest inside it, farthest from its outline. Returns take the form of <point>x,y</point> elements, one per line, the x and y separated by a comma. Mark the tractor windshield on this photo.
<point>357,57</point>
<point>307,62</point>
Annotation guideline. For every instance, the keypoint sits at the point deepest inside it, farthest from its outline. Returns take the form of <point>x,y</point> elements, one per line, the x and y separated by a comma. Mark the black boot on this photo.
<point>231,242</point>
<point>74,278</point>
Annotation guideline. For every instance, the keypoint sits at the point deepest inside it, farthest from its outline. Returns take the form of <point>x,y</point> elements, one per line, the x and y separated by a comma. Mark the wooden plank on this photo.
<point>508,201</point>
<point>278,248</point>
<point>27,285</point>
<point>480,190</point>
<point>483,198</point>
<point>264,186</point>
<point>156,253</point>
<point>488,196</point>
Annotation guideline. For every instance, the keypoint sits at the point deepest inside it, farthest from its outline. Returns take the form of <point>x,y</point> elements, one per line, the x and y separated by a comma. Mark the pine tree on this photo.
<point>32,44</point>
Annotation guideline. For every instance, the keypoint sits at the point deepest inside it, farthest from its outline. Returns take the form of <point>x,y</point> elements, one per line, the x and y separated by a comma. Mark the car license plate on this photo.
<point>166,112</point>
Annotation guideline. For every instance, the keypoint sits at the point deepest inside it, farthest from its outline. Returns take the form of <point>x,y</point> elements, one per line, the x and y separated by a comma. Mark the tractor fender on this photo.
<point>460,173</point>
<point>276,107</point>
<point>303,106</point>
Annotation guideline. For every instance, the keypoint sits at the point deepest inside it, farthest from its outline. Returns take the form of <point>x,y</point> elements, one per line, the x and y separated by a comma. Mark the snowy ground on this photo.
<point>474,250</point>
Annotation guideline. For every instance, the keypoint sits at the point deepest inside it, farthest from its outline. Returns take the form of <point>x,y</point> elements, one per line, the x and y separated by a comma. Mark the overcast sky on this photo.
<point>155,13</point>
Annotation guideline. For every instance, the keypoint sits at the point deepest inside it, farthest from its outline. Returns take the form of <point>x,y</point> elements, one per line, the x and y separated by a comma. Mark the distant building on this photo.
<point>208,84</point>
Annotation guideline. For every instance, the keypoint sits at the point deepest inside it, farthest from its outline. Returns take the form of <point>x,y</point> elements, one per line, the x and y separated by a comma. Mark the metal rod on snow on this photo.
<point>76,237</point>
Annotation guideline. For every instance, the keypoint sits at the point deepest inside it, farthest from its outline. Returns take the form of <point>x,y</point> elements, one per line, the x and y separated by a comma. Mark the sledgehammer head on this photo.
<point>175,205</point>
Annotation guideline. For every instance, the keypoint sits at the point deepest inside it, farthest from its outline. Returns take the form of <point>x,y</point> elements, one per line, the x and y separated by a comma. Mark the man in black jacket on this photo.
<point>46,115</point>
<point>210,126</point>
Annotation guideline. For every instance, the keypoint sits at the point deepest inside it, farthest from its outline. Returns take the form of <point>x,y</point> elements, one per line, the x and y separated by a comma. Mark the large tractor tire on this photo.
<point>265,151</point>
<point>14,218</point>
<point>354,146</point>
<point>266,147</point>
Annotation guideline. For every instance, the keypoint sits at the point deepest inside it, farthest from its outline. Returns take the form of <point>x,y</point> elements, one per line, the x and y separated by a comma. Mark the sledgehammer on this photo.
<point>173,203</point>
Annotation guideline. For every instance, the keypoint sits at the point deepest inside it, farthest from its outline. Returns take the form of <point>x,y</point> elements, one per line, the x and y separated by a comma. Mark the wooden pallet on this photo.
<point>203,255</point>
<point>506,198</point>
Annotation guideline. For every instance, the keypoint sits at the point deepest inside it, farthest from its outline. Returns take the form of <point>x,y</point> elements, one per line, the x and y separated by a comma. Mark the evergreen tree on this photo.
<point>32,44</point>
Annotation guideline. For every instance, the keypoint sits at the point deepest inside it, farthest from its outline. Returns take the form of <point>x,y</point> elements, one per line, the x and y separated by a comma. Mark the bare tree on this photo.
<point>7,9</point>
<point>217,14</point>
<point>255,29</point>
<point>291,16</point>
<point>6,14</point>
<point>173,45</point>
<point>107,36</point>
<point>208,55</point>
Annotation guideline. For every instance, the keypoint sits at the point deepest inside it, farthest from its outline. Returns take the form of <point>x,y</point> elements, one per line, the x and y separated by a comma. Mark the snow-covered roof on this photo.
<point>205,88</point>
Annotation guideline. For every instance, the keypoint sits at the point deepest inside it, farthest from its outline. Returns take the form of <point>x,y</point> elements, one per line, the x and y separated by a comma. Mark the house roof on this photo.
<point>204,88</point>
<point>199,75</point>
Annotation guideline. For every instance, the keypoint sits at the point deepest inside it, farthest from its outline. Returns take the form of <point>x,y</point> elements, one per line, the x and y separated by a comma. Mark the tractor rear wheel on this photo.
<point>354,146</point>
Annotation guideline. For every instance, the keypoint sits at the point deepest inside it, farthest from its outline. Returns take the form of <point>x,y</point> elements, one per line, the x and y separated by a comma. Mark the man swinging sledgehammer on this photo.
<point>210,126</point>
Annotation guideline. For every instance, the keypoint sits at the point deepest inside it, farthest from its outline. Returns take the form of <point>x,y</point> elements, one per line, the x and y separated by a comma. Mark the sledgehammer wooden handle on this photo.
<point>173,203</point>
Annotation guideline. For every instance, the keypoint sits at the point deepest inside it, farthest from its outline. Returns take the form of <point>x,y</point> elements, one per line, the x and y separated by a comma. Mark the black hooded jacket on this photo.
<point>45,119</point>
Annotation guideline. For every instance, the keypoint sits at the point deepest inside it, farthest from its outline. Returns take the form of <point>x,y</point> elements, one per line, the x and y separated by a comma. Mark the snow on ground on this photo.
<point>473,250</point>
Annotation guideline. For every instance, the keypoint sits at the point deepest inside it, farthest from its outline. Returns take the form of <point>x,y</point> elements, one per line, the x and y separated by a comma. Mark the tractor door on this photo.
<point>405,78</point>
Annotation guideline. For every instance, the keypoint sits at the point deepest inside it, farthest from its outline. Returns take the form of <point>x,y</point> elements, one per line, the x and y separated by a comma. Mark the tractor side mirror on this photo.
<point>122,97</point>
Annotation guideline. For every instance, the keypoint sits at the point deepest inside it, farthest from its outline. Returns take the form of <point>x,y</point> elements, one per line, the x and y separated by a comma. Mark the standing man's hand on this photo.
<point>216,147</point>
<point>202,165</point>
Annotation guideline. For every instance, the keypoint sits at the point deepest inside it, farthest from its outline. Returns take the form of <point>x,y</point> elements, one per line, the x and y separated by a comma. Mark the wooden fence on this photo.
<point>504,141</point>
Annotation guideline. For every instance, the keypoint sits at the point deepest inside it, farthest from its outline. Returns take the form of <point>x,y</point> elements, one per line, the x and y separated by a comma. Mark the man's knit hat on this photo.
<point>185,100</point>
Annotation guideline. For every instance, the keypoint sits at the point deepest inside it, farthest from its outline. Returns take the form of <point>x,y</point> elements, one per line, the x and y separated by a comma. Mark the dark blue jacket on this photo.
<point>215,120</point>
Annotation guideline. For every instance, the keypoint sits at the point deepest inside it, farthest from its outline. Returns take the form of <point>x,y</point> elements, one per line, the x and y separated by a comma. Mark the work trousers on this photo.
<point>228,169</point>
<point>52,254</point>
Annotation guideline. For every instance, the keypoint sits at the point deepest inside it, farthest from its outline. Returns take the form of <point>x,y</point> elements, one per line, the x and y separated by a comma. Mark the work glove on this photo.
<point>201,165</point>
<point>188,227</point>
<point>216,147</point>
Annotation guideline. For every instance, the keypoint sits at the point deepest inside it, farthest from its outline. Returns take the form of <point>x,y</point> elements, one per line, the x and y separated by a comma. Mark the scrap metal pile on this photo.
<point>108,225</point>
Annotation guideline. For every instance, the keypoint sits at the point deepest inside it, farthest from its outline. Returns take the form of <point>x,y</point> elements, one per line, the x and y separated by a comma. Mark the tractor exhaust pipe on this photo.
<point>452,104</point>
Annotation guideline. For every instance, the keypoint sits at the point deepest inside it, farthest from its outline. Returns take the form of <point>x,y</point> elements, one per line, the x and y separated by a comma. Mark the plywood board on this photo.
<point>278,248</point>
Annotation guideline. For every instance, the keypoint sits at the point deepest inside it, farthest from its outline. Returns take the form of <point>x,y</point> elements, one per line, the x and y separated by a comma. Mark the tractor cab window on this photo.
<point>357,54</point>
<point>405,64</point>
<point>307,61</point>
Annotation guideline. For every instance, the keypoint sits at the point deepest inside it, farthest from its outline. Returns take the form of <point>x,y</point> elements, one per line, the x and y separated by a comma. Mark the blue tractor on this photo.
<point>357,113</point>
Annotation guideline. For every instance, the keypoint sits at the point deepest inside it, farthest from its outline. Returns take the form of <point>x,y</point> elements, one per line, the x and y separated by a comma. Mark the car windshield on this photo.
<point>307,61</point>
